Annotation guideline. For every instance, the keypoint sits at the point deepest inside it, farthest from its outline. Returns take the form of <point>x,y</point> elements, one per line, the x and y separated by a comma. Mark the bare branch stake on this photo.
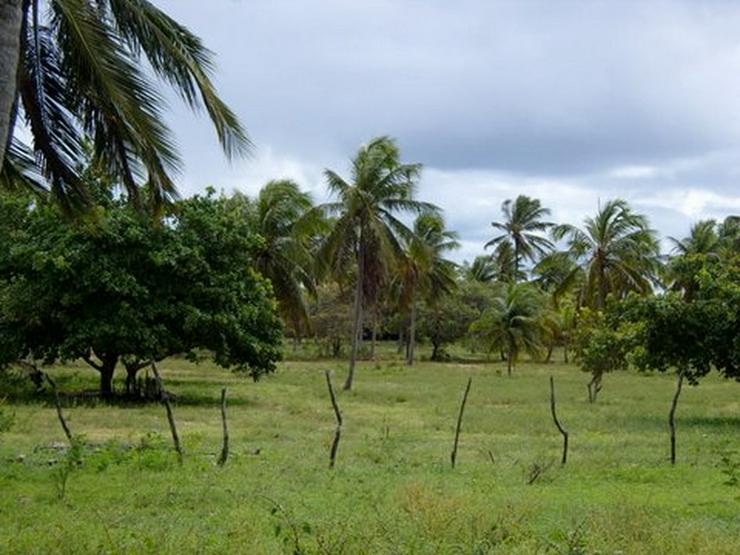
<point>672,417</point>
<point>170,418</point>
<point>453,455</point>
<point>58,405</point>
<point>557,423</point>
<point>338,431</point>
<point>225,448</point>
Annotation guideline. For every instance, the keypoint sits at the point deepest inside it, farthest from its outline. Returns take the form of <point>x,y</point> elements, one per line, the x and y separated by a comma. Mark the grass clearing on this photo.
<point>393,490</point>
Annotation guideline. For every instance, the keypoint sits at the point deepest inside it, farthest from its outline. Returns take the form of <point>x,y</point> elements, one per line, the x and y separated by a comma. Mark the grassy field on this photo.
<point>393,490</point>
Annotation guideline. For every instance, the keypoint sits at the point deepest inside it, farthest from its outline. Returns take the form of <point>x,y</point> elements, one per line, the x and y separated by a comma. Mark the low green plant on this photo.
<point>64,468</point>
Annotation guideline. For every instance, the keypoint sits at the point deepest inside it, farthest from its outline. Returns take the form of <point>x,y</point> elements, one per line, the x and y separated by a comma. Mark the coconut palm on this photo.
<point>615,251</point>
<point>423,271</point>
<point>703,239</point>
<point>285,218</point>
<point>77,73</point>
<point>515,323</point>
<point>522,230</point>
<point>367,229</point>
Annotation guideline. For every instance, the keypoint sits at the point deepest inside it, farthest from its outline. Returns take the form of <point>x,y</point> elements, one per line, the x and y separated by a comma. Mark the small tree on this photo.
<point>691,337</point>
<point>445,321</point>
<point>123,289</point>
<point>601,345</point>
<point>330,319</point>
<point>514,323</point>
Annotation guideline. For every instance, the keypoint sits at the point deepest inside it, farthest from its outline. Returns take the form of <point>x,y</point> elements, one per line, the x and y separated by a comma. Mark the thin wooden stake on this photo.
<point>170,418</point>
<point>672,417</point>
<point>557,423</point>
<point>225,448</point>
<point>58,405</point>
<point>338,431</point>
<point>453,455</point>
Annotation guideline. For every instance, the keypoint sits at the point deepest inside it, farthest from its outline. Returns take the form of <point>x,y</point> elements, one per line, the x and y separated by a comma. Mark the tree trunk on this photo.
<point>357,321</point>
<point>509,362</point>
<point>374,337</point>
<point>565,355</point>
<point>672,416</point>
<point>435,350</point>
<point>106,378</point>
<point>11,18</point>
<point>412,334</point>
<point>549,353</point>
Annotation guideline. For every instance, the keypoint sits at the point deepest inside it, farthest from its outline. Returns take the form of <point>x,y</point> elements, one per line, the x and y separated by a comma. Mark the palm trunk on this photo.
<point>412,334</point>
<point>11,19</point>
<point>357,321</point>
<point>509,362</point>
<point>374,334</point>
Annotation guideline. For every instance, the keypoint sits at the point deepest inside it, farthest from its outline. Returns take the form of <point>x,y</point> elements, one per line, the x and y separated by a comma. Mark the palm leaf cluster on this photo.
<point>85,87</point>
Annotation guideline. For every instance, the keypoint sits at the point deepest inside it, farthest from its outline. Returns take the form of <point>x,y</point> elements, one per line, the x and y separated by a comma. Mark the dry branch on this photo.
<point>170,418</point>
<point>453,455</point>
<point>338,431</point>
<point>557,422</point>
<point>225,448</point>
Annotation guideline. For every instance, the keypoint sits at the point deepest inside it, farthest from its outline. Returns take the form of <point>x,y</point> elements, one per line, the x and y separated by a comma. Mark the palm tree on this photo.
<point>703,239</point>
<point>423,271</point>
<point>615,251</point>
<point>482,269</point>
<point>522,230</point>
<point>287,222</point>
<point>76,71</point>
<point>514,323</point>
<point>366,230</point>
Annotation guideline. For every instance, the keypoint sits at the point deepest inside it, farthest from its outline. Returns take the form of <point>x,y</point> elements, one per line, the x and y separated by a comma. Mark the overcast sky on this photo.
<point>570,102</point>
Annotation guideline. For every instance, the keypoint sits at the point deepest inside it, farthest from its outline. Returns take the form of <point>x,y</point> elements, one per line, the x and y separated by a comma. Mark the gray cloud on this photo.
<point>589,99</point>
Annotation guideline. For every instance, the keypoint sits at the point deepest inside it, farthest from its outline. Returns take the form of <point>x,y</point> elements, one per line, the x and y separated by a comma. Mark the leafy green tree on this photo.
<point>523,230</point>
<point>118,288</point>
<point>692,337</point>
<point>367,228</point>
<point>286,220</point>
<point>514,323</point>
<point>707,244</point>
<point>602,344</point>
<point>330,318</point>
<point>73,71</point>
<point>616,252</point>
<point>445,321</point>
<point>423,272</point>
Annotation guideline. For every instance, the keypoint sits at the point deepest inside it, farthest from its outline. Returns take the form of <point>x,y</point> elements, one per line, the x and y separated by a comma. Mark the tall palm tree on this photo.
<point>522,229</point>
<point>285,218</point>
<point>423,271</point>
<point>73,71</point>
<point>366,230</point>
<point>615,251</point>
<point>514,323</point>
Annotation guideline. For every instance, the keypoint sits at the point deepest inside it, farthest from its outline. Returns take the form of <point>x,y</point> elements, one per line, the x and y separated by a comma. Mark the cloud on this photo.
<point>570,102</point>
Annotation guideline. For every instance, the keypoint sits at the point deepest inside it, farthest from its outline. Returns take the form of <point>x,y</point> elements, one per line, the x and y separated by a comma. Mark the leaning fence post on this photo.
<point>58,406</point>
<point>453,455</point>
<point>338,415</point>
<point>170,418</point>
<point>557,422</point>
<point>225,448</point>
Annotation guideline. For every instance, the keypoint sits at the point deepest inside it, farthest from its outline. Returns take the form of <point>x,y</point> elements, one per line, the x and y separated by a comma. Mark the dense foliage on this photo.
<point>119,288</point>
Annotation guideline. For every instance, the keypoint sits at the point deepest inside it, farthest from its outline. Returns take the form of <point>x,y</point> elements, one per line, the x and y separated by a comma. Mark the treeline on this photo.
<point>124,284</point>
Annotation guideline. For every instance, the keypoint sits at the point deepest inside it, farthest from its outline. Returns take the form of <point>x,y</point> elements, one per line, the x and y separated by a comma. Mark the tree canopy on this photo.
<point>119,288</point>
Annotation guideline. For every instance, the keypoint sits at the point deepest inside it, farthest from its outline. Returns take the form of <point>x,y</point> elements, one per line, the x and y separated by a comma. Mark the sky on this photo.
<point>570,102</point>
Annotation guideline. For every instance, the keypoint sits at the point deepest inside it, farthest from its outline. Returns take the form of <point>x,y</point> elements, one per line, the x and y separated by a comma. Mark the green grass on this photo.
<point>393,490</point>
